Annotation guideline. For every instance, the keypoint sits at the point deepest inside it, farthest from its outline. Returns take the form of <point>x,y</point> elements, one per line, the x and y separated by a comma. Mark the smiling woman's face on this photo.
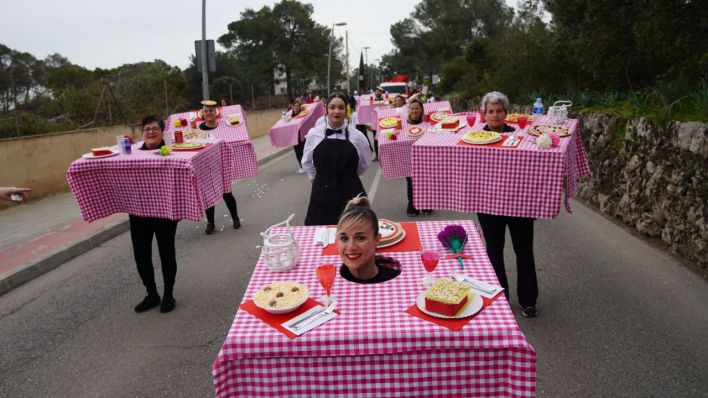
<point>152,135</point>
<point>336,111</point>
<point>357,244</point>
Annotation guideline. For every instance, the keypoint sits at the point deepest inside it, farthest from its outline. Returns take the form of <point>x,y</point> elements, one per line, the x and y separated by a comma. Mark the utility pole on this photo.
<point>346,35</point>
<point>366,61</point>
<point>231,93</point>
<point>205,70</point>
<point>329,57</point>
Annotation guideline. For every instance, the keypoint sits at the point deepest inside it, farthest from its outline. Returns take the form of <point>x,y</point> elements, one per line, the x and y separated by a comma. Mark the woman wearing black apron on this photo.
<point>334,158</point>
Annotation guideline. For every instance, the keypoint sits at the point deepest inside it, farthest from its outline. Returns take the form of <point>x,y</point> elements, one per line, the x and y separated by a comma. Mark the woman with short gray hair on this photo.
<point>494,109</point>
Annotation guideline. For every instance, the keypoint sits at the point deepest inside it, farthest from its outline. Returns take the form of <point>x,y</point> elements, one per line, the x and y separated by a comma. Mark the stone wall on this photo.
<point>653,177</point>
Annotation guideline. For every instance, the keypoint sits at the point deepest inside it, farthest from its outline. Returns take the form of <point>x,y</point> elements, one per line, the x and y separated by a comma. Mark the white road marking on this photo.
<point>374,185</point>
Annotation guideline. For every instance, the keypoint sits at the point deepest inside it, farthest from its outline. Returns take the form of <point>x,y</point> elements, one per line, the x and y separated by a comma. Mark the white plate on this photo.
<point>91,156</point>
<point>403,236</point>
<point>482,143</point>
<point>470,309</point>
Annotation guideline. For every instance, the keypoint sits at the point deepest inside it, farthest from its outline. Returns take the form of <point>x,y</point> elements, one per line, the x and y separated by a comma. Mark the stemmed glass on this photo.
<point>430,258</point>
<point>522,121</point>
<point>325,275</point>
<point>471,119</point>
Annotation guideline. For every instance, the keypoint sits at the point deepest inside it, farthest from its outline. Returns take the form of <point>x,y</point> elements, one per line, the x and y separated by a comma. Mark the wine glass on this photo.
<point>471,119</point>
<point>481,116</point>
<point>325,275</point>
<point>430,258</point>
<point>522,121</point>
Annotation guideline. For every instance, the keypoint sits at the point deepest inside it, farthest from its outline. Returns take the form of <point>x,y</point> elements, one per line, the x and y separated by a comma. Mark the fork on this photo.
<point>302,325</point>
<point>463,278</point>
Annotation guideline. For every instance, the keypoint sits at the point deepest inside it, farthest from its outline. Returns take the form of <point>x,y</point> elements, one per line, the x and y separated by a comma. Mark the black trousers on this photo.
<point>362,128</point>
<point>299,148</point>
<point>409,193</point>
<point>230,201</point>
<point>142,230</point>
<point>521,229</point>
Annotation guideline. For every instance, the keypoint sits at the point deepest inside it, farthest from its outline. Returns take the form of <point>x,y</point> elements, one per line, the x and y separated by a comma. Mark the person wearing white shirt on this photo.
<point>335,156</point>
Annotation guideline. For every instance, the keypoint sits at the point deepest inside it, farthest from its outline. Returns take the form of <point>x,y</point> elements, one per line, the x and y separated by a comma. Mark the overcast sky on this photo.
<point>110,33</point>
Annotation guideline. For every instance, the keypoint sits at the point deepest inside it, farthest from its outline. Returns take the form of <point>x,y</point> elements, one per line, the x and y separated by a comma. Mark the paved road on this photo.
<point>618,318</point>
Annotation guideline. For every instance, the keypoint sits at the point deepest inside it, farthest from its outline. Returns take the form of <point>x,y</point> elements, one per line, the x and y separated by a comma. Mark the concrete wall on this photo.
<point>40,162</point>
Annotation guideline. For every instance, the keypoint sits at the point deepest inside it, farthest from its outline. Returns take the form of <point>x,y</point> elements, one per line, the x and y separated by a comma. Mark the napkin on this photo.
<point>321,319</point>
<point>511,141</point>
<point>495,289</point>
<point>325,236</point>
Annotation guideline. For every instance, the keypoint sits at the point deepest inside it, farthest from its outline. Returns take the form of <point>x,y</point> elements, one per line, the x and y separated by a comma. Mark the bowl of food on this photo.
<point>281,297</point>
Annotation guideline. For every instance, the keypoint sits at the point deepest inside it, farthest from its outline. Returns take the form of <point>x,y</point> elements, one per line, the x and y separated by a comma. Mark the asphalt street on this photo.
<point>618,317</point>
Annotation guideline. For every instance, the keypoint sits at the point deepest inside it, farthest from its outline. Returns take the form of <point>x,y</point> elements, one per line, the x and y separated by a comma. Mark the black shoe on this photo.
<point>413,212</point>
<point>529,311</point>
<point>427,212</point>
<point>210,229</point>
<point>237,223</point>
<point>148,302</point>
<point>168,304</point>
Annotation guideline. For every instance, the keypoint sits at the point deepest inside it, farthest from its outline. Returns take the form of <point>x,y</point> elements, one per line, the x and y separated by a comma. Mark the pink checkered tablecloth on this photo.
<point>179,186</point>
<point>239,156</point>
<point>374,348</point>
<point>286,133</point>
<point>522,182</point>
<point>395,155</point>
<point>365,109</point>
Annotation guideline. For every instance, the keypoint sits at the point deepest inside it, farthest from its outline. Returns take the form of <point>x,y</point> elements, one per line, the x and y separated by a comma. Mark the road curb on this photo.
<point>39,267</point>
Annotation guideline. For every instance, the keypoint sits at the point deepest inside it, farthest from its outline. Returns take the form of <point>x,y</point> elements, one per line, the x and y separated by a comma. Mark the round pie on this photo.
<point>514,117</point>
<point>438,117</point>
<point>281,297</point>
<point>187,145</point>
<point>415,132</point>
<point>549,128</point>
<point>389,122</point>
<point>389,231</point>
<point>481,137</point>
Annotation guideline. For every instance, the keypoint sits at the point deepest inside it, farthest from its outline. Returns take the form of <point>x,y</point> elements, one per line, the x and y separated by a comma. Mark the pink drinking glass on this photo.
<point>522,121</point>
<point>471,119</point>
<point>481,116</point>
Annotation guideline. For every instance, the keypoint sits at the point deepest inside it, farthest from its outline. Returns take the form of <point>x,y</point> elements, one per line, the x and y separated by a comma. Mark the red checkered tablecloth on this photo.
<point>239,156</point>
<point>178,186</point>
<point>285,133</point>
<point>522,182</point>
<point>395,155</point>
<point>365,109</point>
<point>374,348</point>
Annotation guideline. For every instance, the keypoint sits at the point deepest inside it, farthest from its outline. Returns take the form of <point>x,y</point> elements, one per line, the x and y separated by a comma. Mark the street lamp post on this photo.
<point>205,71</point>
<point>366,61</point>
<point>329,58</point>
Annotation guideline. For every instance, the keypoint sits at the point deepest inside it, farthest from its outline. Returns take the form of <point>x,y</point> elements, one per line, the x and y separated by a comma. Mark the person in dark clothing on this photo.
<point>334,158</point>
<point>494,108</point>
<point>295,109</point>
<point>210,123</point>
<point>142,230</point>
<point>416,115</point>
<point>357,238</point>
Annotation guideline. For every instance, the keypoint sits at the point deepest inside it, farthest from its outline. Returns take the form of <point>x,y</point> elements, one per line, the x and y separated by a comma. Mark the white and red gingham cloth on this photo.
<point>287,133</point>
<point>395,155</point>
<point>365,109</point>
<point>179,186</point>
<point>239,156</point>
<point>374,348</point>
<point>521,182</point>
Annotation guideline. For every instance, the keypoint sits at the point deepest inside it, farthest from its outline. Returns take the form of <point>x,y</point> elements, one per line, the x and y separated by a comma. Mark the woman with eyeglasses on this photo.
<point>142,229</point>
<point>335,156</point>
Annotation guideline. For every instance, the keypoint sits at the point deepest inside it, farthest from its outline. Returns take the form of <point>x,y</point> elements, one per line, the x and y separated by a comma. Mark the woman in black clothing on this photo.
<point>210,123</point>
<point>494,106</point>
<point>357,238</point>
<point>416,115</point>
<point>142,230</point>
<point>335,156</point>
<point>295,109</point>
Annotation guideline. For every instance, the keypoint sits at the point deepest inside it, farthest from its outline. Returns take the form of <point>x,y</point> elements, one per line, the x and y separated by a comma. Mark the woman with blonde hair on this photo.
<point>357,238</point>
